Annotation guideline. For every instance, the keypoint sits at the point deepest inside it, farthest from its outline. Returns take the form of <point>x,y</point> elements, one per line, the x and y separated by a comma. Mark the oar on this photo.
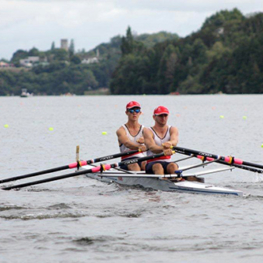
<point>232,161</point>
<point>69,166</point>
<point>92,170</point>
<point>247,168</point>
<point>194,166</point>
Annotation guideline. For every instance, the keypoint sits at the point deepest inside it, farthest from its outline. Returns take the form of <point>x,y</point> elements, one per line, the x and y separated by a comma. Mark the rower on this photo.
<point>160,138</point>
<point>130,137</point>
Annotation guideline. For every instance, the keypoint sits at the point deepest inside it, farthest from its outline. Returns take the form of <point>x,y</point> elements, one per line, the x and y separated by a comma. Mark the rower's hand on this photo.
<point>142,148</point>
<point>168,152</point>
<point>167,145</point>
<point>140,140</point>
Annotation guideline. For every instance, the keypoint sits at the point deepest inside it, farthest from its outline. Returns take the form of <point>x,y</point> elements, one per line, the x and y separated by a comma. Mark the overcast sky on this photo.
<point>25,24</point>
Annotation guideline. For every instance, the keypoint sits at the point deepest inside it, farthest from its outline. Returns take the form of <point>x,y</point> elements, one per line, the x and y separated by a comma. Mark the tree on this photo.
<point>127,43</point>
<point>217,51</point>
<point>75,59</point>
<point>71,48</point>
<point>19,54</point>
<point>33,52</point>
<point>168,68</point>
<point>52,46</point>
<point>60,54</point>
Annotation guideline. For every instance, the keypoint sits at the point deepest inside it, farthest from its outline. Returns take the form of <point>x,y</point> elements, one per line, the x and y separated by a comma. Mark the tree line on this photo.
<point>224,56</point>
<point>64,72</point>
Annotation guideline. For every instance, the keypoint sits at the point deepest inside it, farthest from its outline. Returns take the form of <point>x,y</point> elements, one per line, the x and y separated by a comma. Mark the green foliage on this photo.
<point>149,40</point>
<point>59,54</point>
<point>56,79</point>
<point>129,45</point>
<point>33,52</point>
<point>225,55</point>
<point>75,59</point>
<point>63,72</point>
<point>219,19</point>
<point>19,54</point>
<point>71,49</point>
<point>52,46</point>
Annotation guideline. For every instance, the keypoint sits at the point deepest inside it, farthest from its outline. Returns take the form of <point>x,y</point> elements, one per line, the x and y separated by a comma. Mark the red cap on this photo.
<point>161,110</point>
<point>133,104</point>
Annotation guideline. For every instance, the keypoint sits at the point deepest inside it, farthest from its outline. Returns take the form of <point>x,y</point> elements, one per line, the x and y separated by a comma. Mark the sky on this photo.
<point>25,24</point>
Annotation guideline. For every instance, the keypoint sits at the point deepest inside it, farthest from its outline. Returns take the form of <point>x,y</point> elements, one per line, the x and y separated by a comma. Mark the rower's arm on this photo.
<point>173,138</point>
<point>149,141</point>
<point>123,139</point>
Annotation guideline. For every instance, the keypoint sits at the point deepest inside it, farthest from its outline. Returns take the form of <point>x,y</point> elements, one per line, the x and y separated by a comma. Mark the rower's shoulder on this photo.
<point>147,131</point>
<point>173,129</point>
<point>120,130</point>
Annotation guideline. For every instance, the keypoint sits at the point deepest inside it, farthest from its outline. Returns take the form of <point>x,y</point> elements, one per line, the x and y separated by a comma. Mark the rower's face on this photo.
<point>161,119</point>
<point>134,113</point>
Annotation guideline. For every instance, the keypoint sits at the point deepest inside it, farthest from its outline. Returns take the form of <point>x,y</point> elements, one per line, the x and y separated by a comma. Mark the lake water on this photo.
<point>84,220</point>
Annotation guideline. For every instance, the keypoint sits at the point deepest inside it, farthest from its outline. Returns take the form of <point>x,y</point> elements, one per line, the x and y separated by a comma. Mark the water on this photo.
<point>80,219</point>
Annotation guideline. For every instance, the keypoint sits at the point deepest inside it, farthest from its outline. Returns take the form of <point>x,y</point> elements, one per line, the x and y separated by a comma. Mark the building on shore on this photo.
<point>5,65</point>
<point>30,62</point>
<point>91,60</point>
<point>64,44</point>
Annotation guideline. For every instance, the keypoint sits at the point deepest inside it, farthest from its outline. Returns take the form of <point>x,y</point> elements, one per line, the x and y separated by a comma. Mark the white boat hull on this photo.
<point>163,185</point>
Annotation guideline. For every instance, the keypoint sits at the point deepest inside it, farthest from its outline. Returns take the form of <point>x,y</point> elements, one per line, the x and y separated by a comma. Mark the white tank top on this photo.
<point>159,141</point>
<point>134,139</point>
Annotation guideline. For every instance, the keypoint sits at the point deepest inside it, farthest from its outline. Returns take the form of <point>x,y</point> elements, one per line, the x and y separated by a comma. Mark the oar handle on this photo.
<point>136,160</point>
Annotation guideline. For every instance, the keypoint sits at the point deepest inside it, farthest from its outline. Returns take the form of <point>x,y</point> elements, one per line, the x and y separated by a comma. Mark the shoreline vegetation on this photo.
<point>223,57</point>
<point>107,93</point>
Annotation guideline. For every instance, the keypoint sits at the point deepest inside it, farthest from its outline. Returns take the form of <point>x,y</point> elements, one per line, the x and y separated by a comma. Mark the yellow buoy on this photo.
<point>104,133</point>
<point>51,129</point>
<point>222,116</point>
<point>6,126</point>
<point>244,117</point>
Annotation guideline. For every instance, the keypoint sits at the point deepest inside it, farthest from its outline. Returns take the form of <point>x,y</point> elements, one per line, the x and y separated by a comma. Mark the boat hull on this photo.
<point>166,185</point>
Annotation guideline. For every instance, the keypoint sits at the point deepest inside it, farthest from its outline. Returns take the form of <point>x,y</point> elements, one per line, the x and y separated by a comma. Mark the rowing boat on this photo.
<point>160,182</point>
<point>172,182</point>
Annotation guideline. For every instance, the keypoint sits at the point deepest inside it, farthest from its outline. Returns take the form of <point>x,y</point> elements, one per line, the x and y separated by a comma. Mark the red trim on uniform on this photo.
<point>159,158</point>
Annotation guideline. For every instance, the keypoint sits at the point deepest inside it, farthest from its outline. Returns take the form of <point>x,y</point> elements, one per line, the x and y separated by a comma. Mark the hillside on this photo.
<point>224,56</point>
<point>60,72</point>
